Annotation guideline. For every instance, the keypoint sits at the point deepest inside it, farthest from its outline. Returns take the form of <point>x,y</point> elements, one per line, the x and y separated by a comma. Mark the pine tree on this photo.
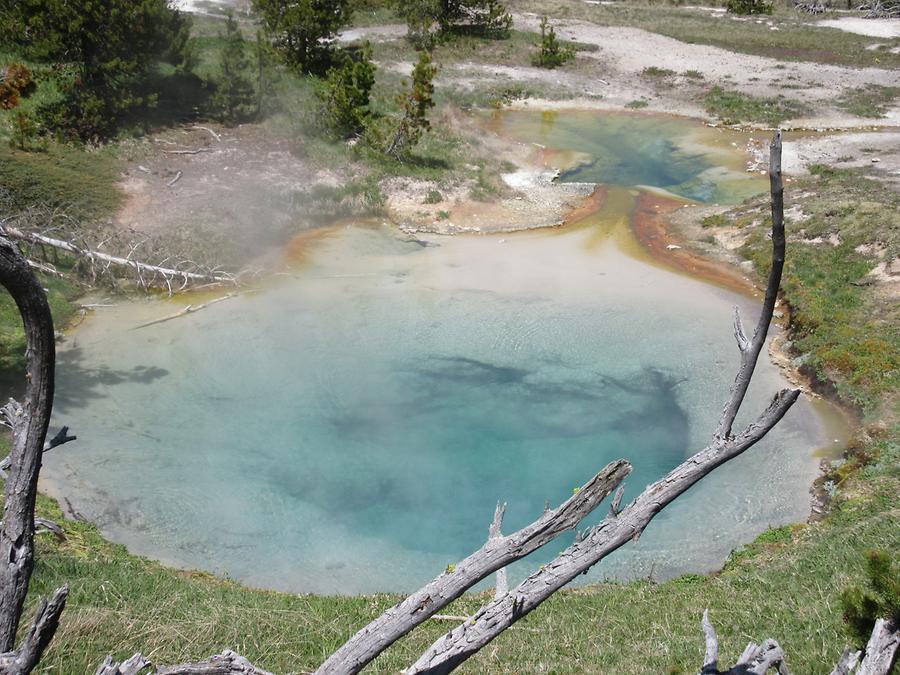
<point>551,54</point>
<point>103,53</point>
<point>415,106</point>
<point>346,93</point>
<point>235,99</point>
<point>303,29</point>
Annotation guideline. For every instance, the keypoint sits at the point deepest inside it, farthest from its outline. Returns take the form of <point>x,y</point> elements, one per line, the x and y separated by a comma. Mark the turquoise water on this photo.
<point>350,427</point>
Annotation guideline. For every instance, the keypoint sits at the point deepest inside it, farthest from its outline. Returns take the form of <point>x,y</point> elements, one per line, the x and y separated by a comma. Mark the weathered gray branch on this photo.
<point>882,649</point>
<point>226,663</point>
<point>140,267</point>
<point>495,532</point>
<point>615,531</point>
<point>9,414</point>
<point>46,621</point>
<point>881,654</point>
<point>750,350</point>
<point>29,426</point>
<point>847,663</point>
<point>496,554</point>
<point>755,660</point>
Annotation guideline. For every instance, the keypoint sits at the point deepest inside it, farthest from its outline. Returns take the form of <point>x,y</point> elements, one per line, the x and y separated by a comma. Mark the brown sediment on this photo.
<point>297,251</point>
<point>652,229</point>
<point>589,205</point>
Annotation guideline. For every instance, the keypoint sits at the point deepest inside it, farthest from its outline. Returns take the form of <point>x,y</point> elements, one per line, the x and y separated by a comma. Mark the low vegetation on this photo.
<point>844,330</point>
<point>870,101</point>
<point>734,107</point>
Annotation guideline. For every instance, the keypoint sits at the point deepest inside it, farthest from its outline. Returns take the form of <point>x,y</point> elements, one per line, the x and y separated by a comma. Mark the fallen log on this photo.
<point>140,267</point>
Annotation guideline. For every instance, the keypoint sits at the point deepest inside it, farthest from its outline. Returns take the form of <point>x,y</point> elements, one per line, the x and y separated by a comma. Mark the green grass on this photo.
<point>62,295</point>
<point>869,101</point>
<point>734,107</point>
<point>78,182</point>
<point>846,333</point>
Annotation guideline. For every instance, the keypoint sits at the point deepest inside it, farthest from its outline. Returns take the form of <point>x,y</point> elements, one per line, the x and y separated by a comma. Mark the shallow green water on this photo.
<point>671,153</point>
<point>351,427</point>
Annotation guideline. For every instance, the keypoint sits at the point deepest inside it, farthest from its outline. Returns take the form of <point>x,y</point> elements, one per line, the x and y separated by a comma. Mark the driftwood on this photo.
<point>168,274</point>
<point>497,553</point>
<point>882,650</point>
<point>46,621</point>
<point>881,9</point>
<point>190,309</point>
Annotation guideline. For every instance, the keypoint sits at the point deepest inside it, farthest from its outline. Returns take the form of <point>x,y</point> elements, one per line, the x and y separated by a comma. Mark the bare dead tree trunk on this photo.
<point>29,430</point>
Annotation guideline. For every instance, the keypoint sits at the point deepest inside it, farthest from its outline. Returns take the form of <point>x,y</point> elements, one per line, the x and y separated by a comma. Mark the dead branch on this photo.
<point>46,621</point>
<point>882,649</point>
<point>211,132</point>
<point>190,309</point>
<point>187,152</point>
<point>495,533</point>
<point>168,274</point>
<point>176,179</point>
<point>881,653</point>
<point>47,525</point>
<point>495,554</point>
<point>755,659</point>
<point>226,663</point>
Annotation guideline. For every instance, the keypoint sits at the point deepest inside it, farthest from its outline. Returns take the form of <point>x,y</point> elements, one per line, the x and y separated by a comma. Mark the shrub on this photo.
<point>749,7</point>
<point>16,83</point>
<point>346,91</point>
<point>551,53</point>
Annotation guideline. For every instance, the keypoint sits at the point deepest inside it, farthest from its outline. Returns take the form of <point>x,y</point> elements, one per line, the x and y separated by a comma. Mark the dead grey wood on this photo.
<point>495,532</point>
<point>167,273</point>
<point>226,663</point>
<point>755,660</point>
<point>617,529</point>
<point>496,554</point>
<point>131,666</point>
<point>881,654</point>
<point>847,663</point>
<point>29,423</point>
<point>46,621</point>
<point>881,650</point>
<point>750,349</point>
<point>11,412</point>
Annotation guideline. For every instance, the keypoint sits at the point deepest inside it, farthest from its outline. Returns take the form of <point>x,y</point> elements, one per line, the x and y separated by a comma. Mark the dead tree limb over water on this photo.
<point>29,425</point>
